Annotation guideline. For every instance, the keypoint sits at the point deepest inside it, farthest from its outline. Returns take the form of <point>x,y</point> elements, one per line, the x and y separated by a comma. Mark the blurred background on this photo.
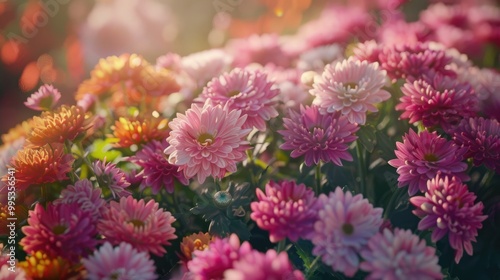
<point>59,41</point>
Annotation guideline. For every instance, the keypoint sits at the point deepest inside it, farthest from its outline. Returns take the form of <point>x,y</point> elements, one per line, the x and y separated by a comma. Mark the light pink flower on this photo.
<point>399,255</point>
<point>202,66</point>
<point>263,49</point>
<point>207,141</point>
<point>121,262</point>
<point>143,224</point>
<point>448,208</point>
<point>263,266</point>
<point>109,175</point>
<point>286,210</point>
<point>86,196</point>
<point>351,87</point>
<point>247,90</point>
<point>344,226</point>
<point>44,99</point>
<point>421,156</point>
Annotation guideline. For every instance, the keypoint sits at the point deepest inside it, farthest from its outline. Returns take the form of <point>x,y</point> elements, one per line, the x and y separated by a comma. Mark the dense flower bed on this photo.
<point>333,153</point>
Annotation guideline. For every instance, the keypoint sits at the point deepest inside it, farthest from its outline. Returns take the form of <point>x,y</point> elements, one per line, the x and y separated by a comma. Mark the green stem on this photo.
<point>392,202</point>
<point>317,189</point>
<point>312,268</point>
<point>361,167</point>
<point>281,245</point>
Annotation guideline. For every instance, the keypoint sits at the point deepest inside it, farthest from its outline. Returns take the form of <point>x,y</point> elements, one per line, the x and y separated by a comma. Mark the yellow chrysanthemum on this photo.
<point>196,241</point>
<point>21,130</point>
<point>41,266</point>
<point>138,130</point>
<point>66,123</point>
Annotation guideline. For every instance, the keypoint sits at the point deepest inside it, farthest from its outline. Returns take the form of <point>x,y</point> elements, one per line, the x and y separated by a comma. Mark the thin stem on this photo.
<point>281,245</point>
<point>392,202</point>
<point>361,167</point>
<point>312,268</point>
<point>317,189</point>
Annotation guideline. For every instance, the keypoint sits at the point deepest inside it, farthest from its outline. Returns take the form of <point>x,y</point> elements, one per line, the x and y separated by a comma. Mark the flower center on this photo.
<point>136,223</point>
<point>222,198</point>
<point>233,93</point>
<point>59,229</point>
<point>205,139</point>
<point>198,245</point>
<point>351,85</point>
<point>348,229</point>
<point>431,157</point>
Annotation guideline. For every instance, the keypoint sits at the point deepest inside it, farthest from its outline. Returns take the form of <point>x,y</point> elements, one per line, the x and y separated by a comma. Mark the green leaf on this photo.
<point>386,146</point>
<point>366,135</point>
<point>102,149</point>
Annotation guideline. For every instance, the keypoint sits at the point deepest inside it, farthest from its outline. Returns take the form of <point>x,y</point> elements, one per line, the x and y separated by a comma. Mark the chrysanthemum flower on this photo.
<point>65,123</point>
<point>40,165</point>
<point>143,224</point>
<point>139,130</point>
<point>368,50</point>
<point>109,175</point>
<point>448,208</point>
<point>44,99</point>
<point>263,266</point>
<point>413,60</point>
<point>40,266</point>
<point>481,137</point>
<point>319,137</point>
<point>194,242</point>
<point>399,255</point>
<point>263,49</point>
<point>21,130</point>
<point>316,59</point>
<point>437,100</point>
<point>421,156</point>
<point>157,81</point>
<point>220,256</point>
<point>207,141</point>
<point>5,267</point>
<point>120,262</point>
<point>157,172</point>
<point>344,226</point>
<point>86,196</point>
<point>352,87</point>
<point>245,90</point>
<point>62,230</point>
<point>285,210</point>
<point>202,66</point>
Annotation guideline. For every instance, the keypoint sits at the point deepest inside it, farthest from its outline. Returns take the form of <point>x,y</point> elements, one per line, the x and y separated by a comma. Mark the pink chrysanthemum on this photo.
<point>207,141</point>
<point>143,224</point>
<point>345,224</point>
<point>202,66</point>
<point>245,90</point>
<point>62,230</point>
<point>368,50</point>
<point>399,255</point>
<point>413,60</point>
<point>448,209</point>
<point>44,99</point>
<point>438,101</point>
<point>121,262</point>
<point>481,137</point>
<point>263,49</point>
<point>285,210</point>
<point>319,137</point>
<point>351,87</point>
<point>421,156</point>
<point>109,175</point>
<point>86,196</point>
<point>6,272</point>
<point>157,172</point>
<point>263,266</point>
<point>219,257</point>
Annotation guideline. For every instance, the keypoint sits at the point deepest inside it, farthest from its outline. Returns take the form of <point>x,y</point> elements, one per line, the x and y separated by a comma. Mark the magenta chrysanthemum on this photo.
<point>285,210</point>
<point>86,196</point>
<point>245,90</point>
<point>352,87</point>
<point>263,266</point>
<point>413,60</point>
<point>44,99</point>
<point>207,141</point>
<point>121,262</point>
<point>143,224</point>
<point>62,230</point>
<point>421,156</point>
<point>437,101</point>
<point>217,258</point>
<point>319,137</point>
<point>157,172</point>
<point>399,255</point>
<point>448,209</point>
<point>109,175</point>
<point>345,224</point>
<point>481,137</point>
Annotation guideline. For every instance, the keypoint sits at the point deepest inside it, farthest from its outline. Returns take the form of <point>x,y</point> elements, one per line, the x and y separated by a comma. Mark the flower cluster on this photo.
<point>371,151</point>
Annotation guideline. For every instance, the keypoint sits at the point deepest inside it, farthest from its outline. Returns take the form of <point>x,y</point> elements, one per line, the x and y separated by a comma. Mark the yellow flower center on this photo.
<point>59,229</point>
<point>205,139</point>
<point>136,223</point>
<point>348,229</point>
<point>430,157</point>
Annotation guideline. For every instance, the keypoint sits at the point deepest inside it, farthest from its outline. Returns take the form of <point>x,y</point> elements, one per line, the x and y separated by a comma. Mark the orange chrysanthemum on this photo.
<point>196,241</point>
<point>66,123</point>
<point>158,82</point>
<point>41,266</point>
<point>138,130</point>
<point>38,165</point>
<point>19,131</point>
